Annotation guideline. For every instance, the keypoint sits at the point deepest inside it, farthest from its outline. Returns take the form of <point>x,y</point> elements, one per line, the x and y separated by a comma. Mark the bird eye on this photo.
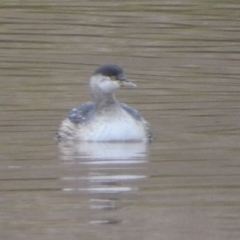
<point>114,78</point>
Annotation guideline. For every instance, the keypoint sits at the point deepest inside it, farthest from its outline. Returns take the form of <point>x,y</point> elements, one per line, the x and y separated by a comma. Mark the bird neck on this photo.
<point>104,100</point>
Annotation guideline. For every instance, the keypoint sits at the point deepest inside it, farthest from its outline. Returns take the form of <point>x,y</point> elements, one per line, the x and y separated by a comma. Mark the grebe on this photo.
<point>105,119</point>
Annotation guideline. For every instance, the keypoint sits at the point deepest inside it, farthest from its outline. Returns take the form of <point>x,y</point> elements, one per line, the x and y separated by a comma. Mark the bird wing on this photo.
<point>136,115</point>
<point>133,112</point>
<point>81,113</point>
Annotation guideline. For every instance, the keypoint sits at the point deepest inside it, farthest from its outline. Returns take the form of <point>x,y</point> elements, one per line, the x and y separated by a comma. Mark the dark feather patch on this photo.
<point>82,113</point>
<point>109,70</point>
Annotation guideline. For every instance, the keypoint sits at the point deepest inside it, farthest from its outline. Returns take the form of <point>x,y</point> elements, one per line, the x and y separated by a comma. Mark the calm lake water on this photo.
<point>184,56</point>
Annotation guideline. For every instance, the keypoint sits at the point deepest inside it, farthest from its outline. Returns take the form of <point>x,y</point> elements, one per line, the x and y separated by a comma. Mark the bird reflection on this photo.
<point>109,170</point>
<point>103,151</point>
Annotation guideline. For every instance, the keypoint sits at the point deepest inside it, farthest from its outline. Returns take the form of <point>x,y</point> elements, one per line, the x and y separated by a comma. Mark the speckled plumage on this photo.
<point>105,119</point>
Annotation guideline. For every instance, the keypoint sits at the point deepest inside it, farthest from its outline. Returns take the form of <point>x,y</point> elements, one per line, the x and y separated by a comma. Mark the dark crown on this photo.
<point>109,70</point>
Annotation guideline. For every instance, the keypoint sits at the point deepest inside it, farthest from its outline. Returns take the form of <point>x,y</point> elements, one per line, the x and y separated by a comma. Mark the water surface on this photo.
<point>184,56</point>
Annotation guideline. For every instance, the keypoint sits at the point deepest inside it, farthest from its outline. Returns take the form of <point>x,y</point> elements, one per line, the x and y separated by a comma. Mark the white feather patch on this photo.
<point>115,128</point>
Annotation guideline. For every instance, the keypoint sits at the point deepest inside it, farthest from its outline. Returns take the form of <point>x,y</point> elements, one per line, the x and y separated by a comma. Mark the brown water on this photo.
<point>184,56</point>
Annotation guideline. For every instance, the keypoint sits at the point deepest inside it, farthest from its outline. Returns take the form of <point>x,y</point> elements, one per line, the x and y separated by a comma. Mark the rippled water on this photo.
<point>184,56</point>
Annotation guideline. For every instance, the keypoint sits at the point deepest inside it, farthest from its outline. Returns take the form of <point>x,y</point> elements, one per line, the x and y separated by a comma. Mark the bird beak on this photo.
<point>126,83</point>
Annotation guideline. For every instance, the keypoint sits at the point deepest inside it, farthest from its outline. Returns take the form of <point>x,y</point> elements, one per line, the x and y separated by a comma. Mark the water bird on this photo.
<point>105,119</point>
